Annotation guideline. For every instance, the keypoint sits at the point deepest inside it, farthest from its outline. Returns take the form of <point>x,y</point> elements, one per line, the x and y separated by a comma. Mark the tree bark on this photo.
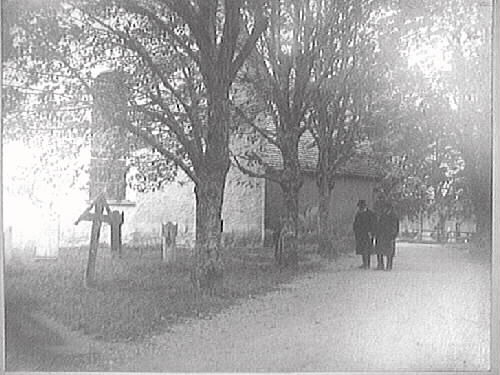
<point>291,188</point>
<point>207,272</point>
<point>325,245</point>
<point>290,181</point>
<point>441,234</point>
<point>208,267</point>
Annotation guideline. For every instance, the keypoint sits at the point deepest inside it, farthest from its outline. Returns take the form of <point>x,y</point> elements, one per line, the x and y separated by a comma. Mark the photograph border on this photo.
<point>495,257</point>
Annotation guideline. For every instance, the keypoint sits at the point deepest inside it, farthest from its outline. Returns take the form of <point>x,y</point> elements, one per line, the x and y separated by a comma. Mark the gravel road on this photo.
<point>431,312</point>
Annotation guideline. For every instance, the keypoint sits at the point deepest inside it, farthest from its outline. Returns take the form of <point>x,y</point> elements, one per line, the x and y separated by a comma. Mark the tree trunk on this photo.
<point>291,199</point>
<point>325,245</point>
<point>208,265</point>
<point>420,225</point>
<point>207,272</point>
<point>289,253</point>
<point>441,234</point>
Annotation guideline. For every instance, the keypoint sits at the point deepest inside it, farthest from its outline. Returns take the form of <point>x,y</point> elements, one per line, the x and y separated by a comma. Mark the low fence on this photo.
<point>437,236</point>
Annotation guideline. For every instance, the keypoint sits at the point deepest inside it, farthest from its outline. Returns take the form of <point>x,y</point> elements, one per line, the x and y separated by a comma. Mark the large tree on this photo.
<point>425,167</point>
<point>461,30</point>
<point>338,116</point>
<point>278,76</point>
<point>435,112</point>
<point>306,50</point>
<point>179,60</point>
<point>470,83</point>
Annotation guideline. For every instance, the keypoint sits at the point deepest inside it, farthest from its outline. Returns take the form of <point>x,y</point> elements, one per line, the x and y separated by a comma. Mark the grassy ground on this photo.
<point>136,296</point>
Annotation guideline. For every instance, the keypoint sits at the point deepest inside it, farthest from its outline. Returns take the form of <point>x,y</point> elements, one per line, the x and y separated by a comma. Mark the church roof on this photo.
<point>360,165</point>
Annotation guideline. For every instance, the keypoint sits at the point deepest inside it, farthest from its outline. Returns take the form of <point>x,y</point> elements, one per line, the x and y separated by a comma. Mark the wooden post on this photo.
<point>421,224</point>
<point>116,219</point>
<point>168,241</point>
<point>94,244</point>
<point>99,204</point>
<point>163,241</point>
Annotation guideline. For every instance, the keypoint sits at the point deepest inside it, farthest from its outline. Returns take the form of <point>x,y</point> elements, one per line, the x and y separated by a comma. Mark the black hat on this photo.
<point>361,203</point>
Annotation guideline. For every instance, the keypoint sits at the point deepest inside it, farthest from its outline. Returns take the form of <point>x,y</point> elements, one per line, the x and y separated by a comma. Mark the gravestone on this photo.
<point>285,251</point>
<point>168,241</point>
<point>116,219</point>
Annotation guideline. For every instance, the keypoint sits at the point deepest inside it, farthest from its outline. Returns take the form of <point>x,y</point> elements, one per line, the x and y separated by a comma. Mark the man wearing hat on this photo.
<point>386,233</point>
<point>364,227</point>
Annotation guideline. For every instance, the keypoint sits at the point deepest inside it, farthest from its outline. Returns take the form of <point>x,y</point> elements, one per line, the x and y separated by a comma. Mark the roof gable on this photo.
<point>361,165</point>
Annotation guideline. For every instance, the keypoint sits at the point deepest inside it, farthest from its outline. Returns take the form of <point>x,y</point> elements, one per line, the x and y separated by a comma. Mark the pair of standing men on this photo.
<point>381,229</point>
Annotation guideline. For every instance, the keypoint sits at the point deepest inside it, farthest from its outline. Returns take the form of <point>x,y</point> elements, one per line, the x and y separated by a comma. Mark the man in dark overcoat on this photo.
<point>364,227</point>
<point>386,233</point>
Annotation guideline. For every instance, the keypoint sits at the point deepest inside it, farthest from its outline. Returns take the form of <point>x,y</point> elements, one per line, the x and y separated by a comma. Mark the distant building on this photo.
<point>252,207</point>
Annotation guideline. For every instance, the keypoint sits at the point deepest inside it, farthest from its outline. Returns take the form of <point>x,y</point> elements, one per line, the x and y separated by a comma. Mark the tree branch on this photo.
<point>196,20</point>
<point>259,27</point>
<point>249,122</point>
<point>135,8</point>
<point>154,143</point>
<point>61,58</point>
<point>254,174</point>
<point>144,55</point>
<point>174,126</point>
<point>230,32</point>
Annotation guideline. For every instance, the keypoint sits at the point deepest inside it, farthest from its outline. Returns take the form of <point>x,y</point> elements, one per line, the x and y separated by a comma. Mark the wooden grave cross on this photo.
<point>114,219</point>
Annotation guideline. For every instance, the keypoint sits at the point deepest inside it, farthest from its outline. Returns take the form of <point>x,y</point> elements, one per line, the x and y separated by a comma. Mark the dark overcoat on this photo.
<point>363,226</point>
<point>386,233</point>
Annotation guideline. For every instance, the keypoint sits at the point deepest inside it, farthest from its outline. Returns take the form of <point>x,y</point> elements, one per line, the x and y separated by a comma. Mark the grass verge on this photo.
<point>137,296</point>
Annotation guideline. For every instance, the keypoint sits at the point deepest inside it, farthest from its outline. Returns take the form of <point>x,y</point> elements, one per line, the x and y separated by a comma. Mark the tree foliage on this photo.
<point>439,127</point>
<point>178,59</point>
<point>338,71</point>
<point>301,59</point>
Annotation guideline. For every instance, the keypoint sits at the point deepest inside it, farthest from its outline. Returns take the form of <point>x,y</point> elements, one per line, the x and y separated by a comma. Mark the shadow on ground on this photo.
<point>35,343</point>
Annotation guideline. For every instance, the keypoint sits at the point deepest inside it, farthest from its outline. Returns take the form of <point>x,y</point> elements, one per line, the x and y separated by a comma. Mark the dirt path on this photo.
<point>430,313</point>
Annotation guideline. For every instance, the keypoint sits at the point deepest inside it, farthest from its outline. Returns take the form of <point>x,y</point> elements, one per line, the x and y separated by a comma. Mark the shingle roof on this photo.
<point>361,165</point>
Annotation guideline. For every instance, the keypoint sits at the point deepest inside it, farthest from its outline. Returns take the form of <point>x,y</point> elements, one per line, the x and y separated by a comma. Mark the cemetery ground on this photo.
<point>432,312</point>
<point>135,297</point>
